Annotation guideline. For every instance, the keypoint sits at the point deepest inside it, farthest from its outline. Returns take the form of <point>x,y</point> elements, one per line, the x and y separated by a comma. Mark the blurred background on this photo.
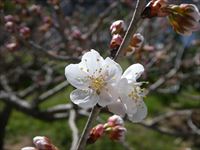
<point>38,38</point>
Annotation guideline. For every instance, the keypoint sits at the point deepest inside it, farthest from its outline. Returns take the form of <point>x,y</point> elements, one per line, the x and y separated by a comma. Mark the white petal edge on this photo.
<point>84,98</point>
<point>133,72</point>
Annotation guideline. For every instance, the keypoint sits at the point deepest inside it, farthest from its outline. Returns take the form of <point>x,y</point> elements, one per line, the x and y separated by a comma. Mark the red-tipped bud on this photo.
<point>96,133</point>
<point>35,9</point>
<point>76,33</point>
<point>118,27</point>
<point>13,46</point>
<point>155,8</point>
<point>10,26</point>
<point>116,41</point>
<point>25,32</point>
<point>43,143</point>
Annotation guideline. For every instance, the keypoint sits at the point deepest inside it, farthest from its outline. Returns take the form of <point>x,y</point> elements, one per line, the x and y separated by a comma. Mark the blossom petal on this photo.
<point>107,96</point>
<point>76,77</point>
<point>133,72</point>
<point>117,108</point>
<point>91,62</point>
<point>111,70</point>
<point>84,98</point>
<point>140,114</point>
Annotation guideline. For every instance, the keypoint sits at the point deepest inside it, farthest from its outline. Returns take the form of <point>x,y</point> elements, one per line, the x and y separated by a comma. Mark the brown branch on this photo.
<point>100,19</point>
<point>74,129</point>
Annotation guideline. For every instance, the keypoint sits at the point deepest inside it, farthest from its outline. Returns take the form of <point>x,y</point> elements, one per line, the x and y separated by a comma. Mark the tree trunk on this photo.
<point>4,117</point>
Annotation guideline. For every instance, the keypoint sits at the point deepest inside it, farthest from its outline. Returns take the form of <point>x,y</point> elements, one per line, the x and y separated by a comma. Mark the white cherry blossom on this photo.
<point>94,78</point>
<point>130,101</point>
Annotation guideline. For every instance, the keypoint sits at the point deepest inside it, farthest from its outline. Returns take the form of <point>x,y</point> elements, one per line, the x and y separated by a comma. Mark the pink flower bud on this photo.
<point>43,143</point>
<point>135,44</point>
<point>10,26</point>
<point>9,18</point>
<point>76,33</point>
<point>118,27</point>
<point>116,41</point>
<point>96,133</point>
<point>115,120</point>
<point>25,32</point>
<point>12,46</point>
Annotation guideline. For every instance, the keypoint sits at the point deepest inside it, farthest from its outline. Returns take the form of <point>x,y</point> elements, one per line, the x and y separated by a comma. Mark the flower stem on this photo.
<point>83,139</point>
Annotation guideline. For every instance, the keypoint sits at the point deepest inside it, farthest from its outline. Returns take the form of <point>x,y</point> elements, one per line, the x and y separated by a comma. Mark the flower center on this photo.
<point>97,83</point>
<point>137,93</point>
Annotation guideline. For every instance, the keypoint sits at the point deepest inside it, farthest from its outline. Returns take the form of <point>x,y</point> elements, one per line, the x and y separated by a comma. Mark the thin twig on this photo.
<point>74,129</point>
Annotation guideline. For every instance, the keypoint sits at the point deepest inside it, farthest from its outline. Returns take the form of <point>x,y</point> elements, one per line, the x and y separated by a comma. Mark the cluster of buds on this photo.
<point>10,23</point>
<point>41,143</point>
<point>184,18</point>
<point>113,128</point>
<point>117,30</point>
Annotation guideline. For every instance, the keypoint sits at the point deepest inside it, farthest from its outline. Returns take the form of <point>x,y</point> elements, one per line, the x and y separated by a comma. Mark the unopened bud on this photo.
<point>135,44</point>
<point>13,46</point>
<point>43,143</point>
<point>96,133</point>
<point>155,8</point>
<point>116,41</point>
<point>36,9</point>
<point>10,26</point>
<point>25,32</point>
<point>118,27</point>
